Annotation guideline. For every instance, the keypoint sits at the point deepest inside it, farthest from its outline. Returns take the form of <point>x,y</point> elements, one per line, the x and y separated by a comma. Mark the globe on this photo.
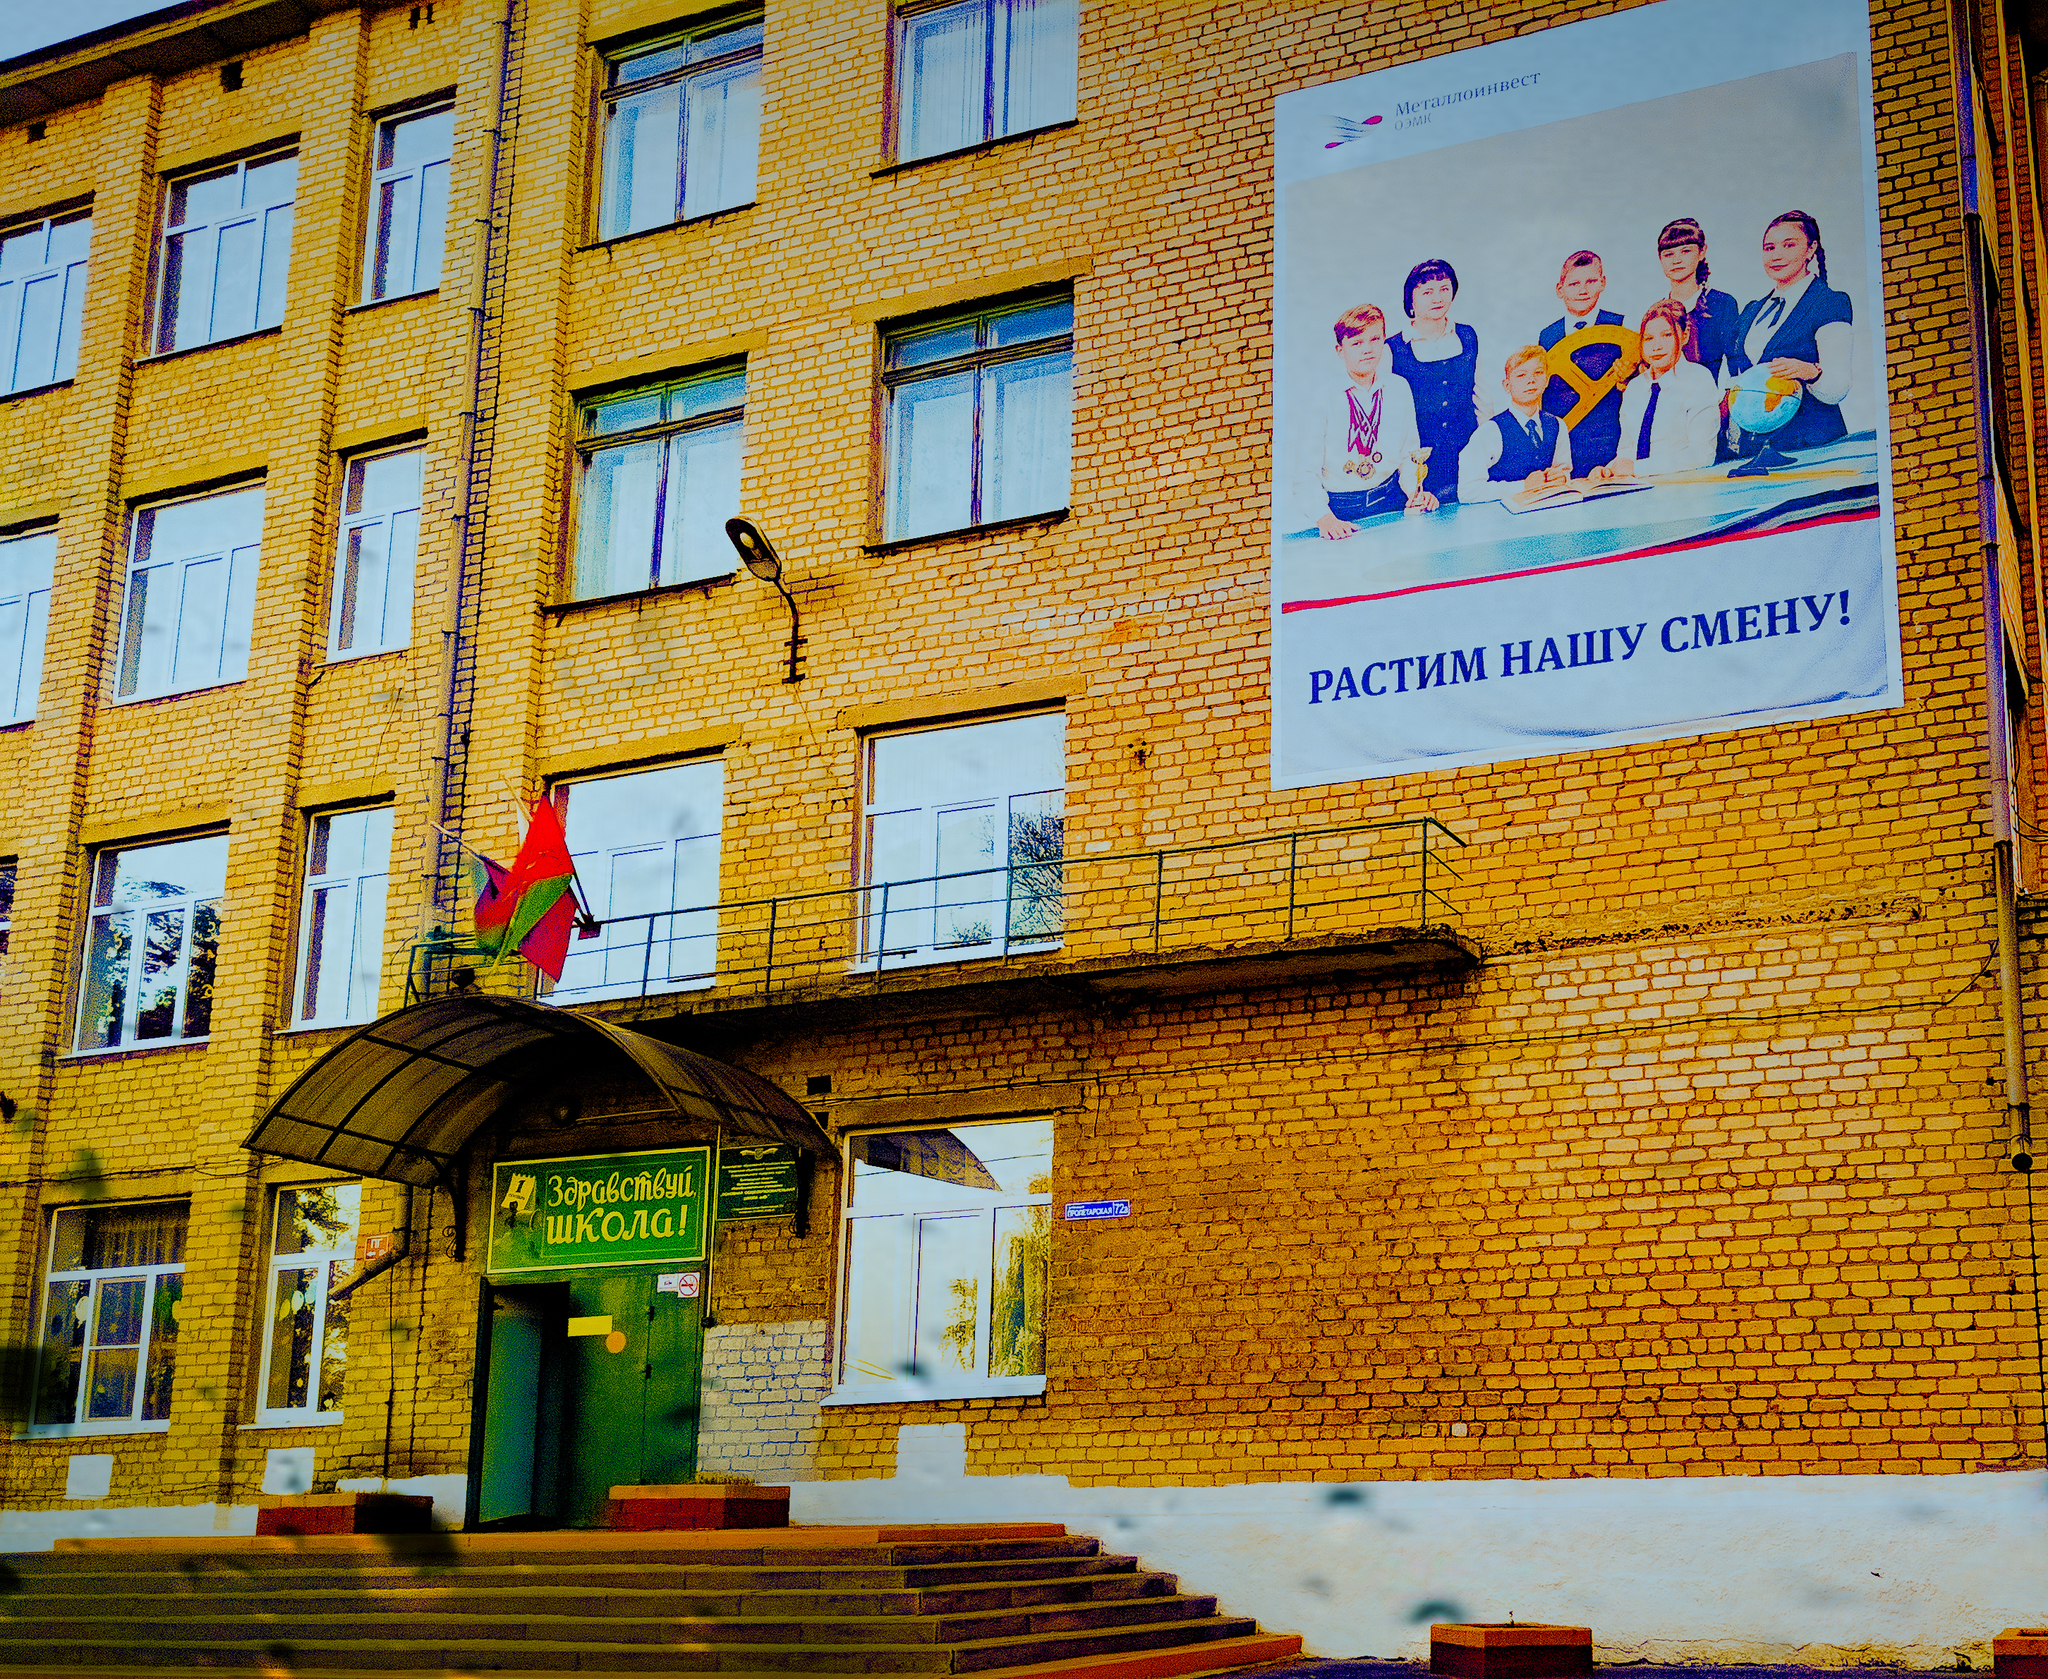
<point>1760,401</point>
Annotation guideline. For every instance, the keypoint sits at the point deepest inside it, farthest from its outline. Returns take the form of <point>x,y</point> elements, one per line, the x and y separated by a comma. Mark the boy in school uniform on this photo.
<point>1364,437</point>
<point>1523,450</point>
<point>1596,439</point>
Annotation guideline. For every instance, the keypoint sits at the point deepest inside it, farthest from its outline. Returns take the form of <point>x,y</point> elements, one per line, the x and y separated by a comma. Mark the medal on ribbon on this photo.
<point>1362,436</point>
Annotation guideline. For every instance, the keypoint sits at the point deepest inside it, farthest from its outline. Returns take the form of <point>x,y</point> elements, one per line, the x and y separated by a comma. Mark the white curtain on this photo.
<point>942,58</point>
<point>26,567</point>
<point>1028,415</point>
<point>722,136</point>
<point>1036,54</point>
<point>615,528</point>
<point>703,492</point>
<point>642,154</point>
<point>931,456</point>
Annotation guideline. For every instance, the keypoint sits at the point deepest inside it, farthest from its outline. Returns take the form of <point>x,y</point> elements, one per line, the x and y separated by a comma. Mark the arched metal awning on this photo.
<point>400,1099</point>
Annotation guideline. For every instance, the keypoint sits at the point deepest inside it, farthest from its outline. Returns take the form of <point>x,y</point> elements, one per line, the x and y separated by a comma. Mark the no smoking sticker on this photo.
<point>682,1284</point>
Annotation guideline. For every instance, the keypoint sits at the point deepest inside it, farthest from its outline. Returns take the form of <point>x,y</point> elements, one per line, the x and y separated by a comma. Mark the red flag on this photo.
<point>529,907</point>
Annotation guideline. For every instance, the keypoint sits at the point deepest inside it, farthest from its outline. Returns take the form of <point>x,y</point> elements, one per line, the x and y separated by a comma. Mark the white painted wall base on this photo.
<point>38,1530</point>
<point>1822,1569</point>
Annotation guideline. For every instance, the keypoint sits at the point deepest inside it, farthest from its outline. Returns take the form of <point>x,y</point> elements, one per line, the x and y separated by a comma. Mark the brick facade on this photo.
<point>1697,1174</point>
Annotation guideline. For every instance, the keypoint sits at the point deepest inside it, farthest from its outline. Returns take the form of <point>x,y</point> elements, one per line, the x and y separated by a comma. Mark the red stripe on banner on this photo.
<point>1577,565</point>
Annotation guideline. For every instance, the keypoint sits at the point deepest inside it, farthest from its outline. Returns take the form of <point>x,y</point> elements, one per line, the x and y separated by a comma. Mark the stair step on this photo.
<point>417,1655</point>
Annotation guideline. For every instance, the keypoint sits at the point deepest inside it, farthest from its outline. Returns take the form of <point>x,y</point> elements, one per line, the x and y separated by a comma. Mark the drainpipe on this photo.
<point>2004,873</point>
<point>401,1245</point>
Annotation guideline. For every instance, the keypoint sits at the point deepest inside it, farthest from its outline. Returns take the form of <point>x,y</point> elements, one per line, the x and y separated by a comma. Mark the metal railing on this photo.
<point>1306,884</point>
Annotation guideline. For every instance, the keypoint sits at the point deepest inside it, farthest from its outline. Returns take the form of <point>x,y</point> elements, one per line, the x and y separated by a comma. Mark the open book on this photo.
<point>1578,490</point>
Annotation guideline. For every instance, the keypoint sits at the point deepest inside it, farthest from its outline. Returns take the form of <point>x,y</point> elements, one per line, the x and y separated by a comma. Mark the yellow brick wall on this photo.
<point>1698,1174</point>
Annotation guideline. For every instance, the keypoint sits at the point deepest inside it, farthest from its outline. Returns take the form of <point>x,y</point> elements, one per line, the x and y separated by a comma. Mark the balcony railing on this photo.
<point>1100,911</point>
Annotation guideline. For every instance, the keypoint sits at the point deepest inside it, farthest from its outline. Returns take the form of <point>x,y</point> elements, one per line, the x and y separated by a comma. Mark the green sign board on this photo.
<point>606,1209</point>
<point>756,1180</point>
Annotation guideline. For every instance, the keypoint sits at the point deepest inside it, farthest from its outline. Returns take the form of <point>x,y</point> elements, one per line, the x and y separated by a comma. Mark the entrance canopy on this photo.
<point>401,1098</point>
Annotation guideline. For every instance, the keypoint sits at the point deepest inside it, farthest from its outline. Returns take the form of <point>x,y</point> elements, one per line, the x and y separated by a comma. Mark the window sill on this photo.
<point>574,996</point>
<point>978,147</point>
<point>13,723</point>
<point>91,1431</point>
<point>118,1052</point>
<point>640,597</point>
<point>969,533</point>
<point>361,654</point>
<point>929,957</point>
<point>36,390</point>
<point>176,693</point>
<point>665,227</point>
<point>210,344</point>
<point>292,1419</point>
<point>386,302</point>
<point>304,1026</point>
<point>925,1393</point>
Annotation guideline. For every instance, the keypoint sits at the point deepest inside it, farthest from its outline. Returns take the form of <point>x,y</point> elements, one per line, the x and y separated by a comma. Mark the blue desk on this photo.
<point>1460,543</point>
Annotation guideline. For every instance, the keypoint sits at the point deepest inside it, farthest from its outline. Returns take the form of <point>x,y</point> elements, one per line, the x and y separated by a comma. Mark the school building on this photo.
<point>1579,1188</point>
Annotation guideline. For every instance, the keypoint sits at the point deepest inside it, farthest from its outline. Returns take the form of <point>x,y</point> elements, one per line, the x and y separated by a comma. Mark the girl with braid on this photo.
<point>1710,315</point>
<point>1801,329</point>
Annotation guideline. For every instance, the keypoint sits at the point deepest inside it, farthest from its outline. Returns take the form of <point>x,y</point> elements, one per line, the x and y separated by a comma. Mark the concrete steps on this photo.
<point>1034,1602</point>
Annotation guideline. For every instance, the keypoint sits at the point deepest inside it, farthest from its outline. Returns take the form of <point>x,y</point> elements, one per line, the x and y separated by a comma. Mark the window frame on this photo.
<point>900,86</point>
<point>376,177</point>
<point>189,905</point>
<point>587,444</point>
<point>607,90</point>
<point>10,886</point>
<point>32,647</point>
<point>345,525</point>
<point>162,327</point>
<point>310,886</point>
<point>872,953</point>
<point>275,1264</point>
<point>70,314</point>
<point>890,380</point>
<point>124,654</point>
<point>560,794</point>
<point>955,1386</point>
<point>155,1274</point>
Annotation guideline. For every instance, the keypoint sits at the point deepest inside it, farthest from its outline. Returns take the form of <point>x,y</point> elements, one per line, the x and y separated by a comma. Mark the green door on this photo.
<point>631,1367</point>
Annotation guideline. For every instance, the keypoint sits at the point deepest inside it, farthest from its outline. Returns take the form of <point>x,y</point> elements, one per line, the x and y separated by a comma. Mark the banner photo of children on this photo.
<point>1579,432</point>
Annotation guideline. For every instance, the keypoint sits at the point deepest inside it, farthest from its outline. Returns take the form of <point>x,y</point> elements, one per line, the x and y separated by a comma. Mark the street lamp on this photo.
<point>761,559</point>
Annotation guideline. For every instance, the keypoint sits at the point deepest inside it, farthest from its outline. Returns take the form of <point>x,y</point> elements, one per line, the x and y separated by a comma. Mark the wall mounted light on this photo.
<point>758,555</point>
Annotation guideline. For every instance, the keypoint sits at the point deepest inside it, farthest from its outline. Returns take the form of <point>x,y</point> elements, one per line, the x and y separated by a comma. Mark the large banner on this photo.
<point>1579,394</point>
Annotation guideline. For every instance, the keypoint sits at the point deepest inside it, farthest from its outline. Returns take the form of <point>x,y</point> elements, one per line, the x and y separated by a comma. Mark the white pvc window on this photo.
<point>191,595</point>
<point>980,417</point>
<point>27,564</point>
<point>305,1339</point>
<point>227,247</point>
<point>109,1340</point>
<point>964,834</point>
<point>408,228</point>
<point>982,69</point>
<point>682,129</point>
<point>341,928</point>
<point>660,476</point>
<point>42,301</point>
<point>375,554</point>
<point>152,941</point>
<point>646,851</point>
<point>947,1261</point>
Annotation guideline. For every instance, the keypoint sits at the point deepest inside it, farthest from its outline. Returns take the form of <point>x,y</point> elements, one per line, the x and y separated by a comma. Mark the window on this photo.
<point>682,127</point>
<point>980,421</point>
<point>305,1340</point>
<point>227,245</point>
<point>979,70</point>
<point>151,941</point>
<point>964,834</point>
<point>42,301</point>
<point>948,1252</point>
<point>661,475</point>
<point>408,204</point>
<point>646,851</point>
<point>191,599</point>
<point>8,868</point>
<point>110,1318</point>
<point>27,564</point>
<point>374,555</point>
<point>341,931</point>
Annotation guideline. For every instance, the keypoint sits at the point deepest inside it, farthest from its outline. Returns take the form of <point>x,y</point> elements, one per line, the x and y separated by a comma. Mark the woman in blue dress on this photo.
<point>1710,315</point>
<point>1802,329</point>
<point>1440,360</point>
